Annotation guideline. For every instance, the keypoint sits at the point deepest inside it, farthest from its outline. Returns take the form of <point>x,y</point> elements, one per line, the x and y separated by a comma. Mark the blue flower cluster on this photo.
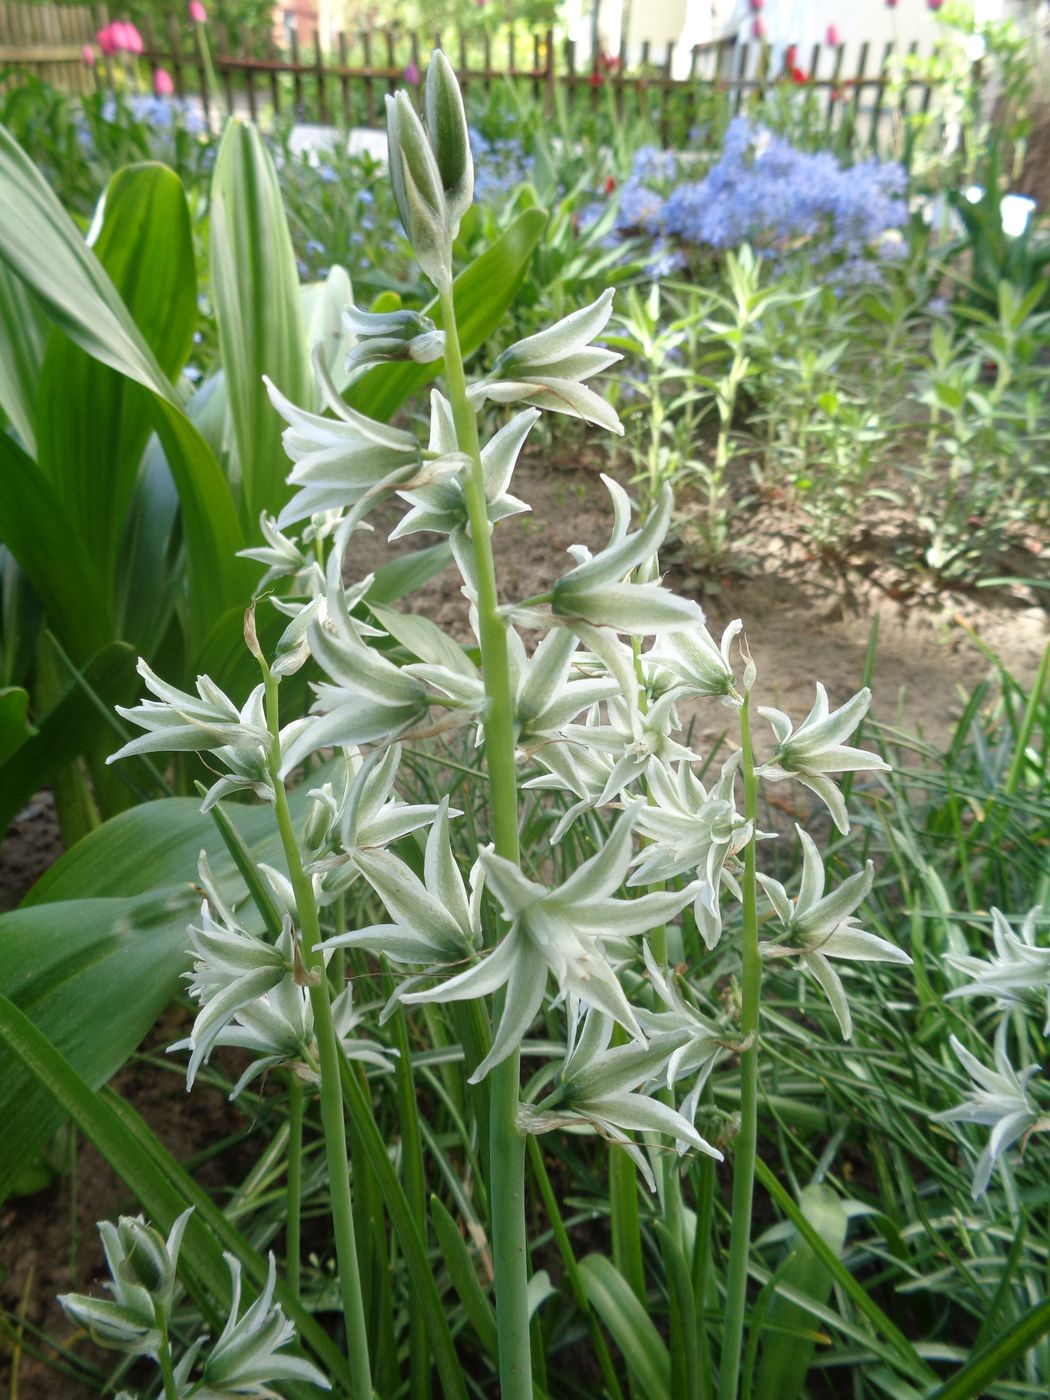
<point>160,113</point>
<point>764,191</point>
<point>500,166</point>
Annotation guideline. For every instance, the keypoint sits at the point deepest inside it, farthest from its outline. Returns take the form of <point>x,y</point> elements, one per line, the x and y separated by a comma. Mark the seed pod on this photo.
<point>449,137</point>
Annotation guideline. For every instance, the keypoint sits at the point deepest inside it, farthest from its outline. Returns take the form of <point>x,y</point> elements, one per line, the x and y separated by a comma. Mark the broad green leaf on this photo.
<point>150,847</point>
<point>23,334</point>
<point>788,1348</point>
<point>21,620</point>
<point>42,246</point>
<point>95,951</point>
<point>65,729</point>
<point>92,448</point>
<point>160,1185</point>
<point>151,556</point>
<point>15,728</point>
<point>93,975</point>
<point>52,552</point>
<point>217,579</point>
<point>255,290</point>
<point>631,1327</point>
<point>483,292</point>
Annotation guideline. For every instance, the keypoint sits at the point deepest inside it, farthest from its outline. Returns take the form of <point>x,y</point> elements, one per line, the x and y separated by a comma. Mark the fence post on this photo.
<point>322,103</point>
<point>741,78</point>
<point>370,90</point>
<point>297,76</point>
<point>548,77</point>
<point>858,83</point>
<point>245,35</point>
<point>880,92</point>
<point>833,93</point>
<point>344,79</point>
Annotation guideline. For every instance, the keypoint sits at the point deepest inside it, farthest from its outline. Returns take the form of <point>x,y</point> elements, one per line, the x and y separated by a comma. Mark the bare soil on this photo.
<point>806,619</point>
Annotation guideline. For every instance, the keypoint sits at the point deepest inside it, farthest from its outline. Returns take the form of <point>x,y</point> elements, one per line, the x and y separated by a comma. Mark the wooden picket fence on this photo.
<point>345,85</point>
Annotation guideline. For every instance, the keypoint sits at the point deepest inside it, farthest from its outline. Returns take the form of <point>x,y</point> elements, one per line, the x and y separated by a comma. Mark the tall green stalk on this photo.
<point>507,1143</point>
<point>293,1229</point>
<point>329,1055</point>
<point>747,1139</point>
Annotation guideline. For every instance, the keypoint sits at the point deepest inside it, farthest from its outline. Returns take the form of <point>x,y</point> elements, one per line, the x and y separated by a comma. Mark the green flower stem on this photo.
<point>167,1370</point>
<point>702,1258</point>
<point>328,1054</point>
<point>747,1139</point>
<point>293,1229</point>
<point>572,1271</point>
<point>506,1143</point>
<point>415,1189</point>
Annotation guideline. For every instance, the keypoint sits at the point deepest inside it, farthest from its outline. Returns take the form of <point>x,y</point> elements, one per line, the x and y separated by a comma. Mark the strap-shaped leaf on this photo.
<point>94,975</point>
<point>789,1346</point>
<point>996,1360</point>
<point>855,1291</point>
<point>464,1277</point>
<point>424,1290</point>
<point>631,1327</point>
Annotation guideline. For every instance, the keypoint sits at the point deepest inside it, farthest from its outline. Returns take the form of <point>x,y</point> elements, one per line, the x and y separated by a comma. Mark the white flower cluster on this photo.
<point>1016,978</point>
<point>595,716</point>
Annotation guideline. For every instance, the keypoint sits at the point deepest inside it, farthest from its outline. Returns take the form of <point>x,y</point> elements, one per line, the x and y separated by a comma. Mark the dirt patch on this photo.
<point>806,619</point>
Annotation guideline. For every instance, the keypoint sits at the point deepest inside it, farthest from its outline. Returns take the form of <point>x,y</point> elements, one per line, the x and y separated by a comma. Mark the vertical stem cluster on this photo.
<point>293,1230</point>
<point>507,1143</point>
<point>329,1054</point>
<point>747,1139</point>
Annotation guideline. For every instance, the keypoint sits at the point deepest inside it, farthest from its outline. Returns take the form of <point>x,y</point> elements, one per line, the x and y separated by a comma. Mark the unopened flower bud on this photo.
<point>449,138</point>
<point>392,335</point>
<point>418,189</point>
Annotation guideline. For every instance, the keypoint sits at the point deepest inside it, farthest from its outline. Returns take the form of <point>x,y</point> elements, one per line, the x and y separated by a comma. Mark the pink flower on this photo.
<point>87,56</point>
<point>758,29</point>
<point>412,74</point>
<point>119,37</point>
<point>757,6</point>
<point>934,4</point>
<point>162,83</point>
<point>198,13</point>
<point>833,37</point>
